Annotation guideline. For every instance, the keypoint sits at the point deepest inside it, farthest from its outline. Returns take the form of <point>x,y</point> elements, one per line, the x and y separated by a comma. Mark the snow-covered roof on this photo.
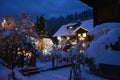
<point>62,31</point>
<point>79,28</point>
<point>98,51</point>
<point>104,26</point>
<point>87,25</point>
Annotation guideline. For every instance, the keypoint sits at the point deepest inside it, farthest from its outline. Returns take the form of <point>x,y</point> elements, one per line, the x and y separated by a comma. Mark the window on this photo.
<point>79,35</point>
<point>68,38</point>
<point>58,37</point>
<point>69,28</point>
<point>84,34</point>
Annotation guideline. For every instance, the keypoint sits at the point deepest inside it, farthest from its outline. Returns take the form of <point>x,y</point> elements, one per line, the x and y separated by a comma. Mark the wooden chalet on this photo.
<point>73,31</point>
<point>104,10</point>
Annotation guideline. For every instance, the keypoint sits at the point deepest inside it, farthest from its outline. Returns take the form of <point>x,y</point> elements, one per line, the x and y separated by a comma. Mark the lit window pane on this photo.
<point>84,34</point>
<point>79,34</point>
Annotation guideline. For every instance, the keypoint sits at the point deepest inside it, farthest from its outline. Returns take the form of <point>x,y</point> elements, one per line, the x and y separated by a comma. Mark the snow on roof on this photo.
<point>98,51</point>
<point>87,25</point>
<point>78,29</point>
<point>105,26</point>
<point>62,31</point>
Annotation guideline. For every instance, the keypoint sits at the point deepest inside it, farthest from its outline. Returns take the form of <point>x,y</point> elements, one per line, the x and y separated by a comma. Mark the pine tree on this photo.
<point>40,27</point>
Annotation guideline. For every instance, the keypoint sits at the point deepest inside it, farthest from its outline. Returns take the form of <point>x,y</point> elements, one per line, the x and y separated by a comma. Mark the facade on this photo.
<point>73,32</point>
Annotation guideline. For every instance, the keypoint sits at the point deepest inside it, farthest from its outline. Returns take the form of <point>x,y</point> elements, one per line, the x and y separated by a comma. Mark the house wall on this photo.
<point>104,10</point>
<point>81,31</point>
<point>108,13</point>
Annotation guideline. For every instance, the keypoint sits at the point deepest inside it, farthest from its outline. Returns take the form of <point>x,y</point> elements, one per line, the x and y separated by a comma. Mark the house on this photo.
<point>104,10</point>
<point>74,31</point>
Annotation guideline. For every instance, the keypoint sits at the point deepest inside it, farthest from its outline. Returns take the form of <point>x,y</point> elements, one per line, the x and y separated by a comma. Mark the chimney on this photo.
<point>78,23</point>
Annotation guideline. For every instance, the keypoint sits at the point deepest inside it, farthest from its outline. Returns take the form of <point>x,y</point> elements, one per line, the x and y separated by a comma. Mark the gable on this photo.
<point>81,30</point>
<point>63,31</point>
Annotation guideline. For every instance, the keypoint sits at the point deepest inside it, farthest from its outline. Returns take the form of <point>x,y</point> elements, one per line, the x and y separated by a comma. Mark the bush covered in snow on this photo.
<point>103,29</point>
<point>106,45</point>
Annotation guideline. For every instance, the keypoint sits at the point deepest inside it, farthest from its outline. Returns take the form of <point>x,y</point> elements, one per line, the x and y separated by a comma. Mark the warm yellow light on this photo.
<point>79,35</point>
<point>18,49</point>
<point>73,43</point>
<point>19,52</point>
<point>24,51</point>
<point>84,34</point>
<point>4,23</point>
<point>68,38</point>
<point>83,44</point>
<point>28,54</point>
<point>81,38</point>
<point>58,37</point>
<point>81,51</point>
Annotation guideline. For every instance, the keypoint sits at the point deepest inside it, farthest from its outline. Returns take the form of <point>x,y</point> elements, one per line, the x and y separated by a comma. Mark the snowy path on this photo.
<point>61,74</point>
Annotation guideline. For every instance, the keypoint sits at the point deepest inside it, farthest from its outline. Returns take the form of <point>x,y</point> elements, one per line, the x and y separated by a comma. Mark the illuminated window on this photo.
<point>19,52</point>
<point>58,37</point>
<point>18,49</point>
<point>68,38</point>
<point>70,27</point>
<point>81,38</point>
<point>84,34</point>
<point>79,35</point>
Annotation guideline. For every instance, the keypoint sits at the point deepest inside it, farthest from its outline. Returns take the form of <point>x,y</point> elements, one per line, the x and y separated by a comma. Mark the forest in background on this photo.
<point>53,24</point>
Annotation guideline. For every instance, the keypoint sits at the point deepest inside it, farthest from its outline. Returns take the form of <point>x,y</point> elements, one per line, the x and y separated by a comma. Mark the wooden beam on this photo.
<point>99,3</point>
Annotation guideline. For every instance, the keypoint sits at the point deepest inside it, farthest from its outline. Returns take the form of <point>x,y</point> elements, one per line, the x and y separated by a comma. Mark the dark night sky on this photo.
<point>47,7</point>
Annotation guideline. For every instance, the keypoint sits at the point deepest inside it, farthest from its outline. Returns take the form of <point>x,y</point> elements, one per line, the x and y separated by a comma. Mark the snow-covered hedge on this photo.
<point>100,50</point>
<point>102,29</point>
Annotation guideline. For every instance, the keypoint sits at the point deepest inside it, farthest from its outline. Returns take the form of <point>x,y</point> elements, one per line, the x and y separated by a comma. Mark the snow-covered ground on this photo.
<point>105,35</point>
<point>62,74</point>
<point>4,73</point>
<point>59,74</point>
